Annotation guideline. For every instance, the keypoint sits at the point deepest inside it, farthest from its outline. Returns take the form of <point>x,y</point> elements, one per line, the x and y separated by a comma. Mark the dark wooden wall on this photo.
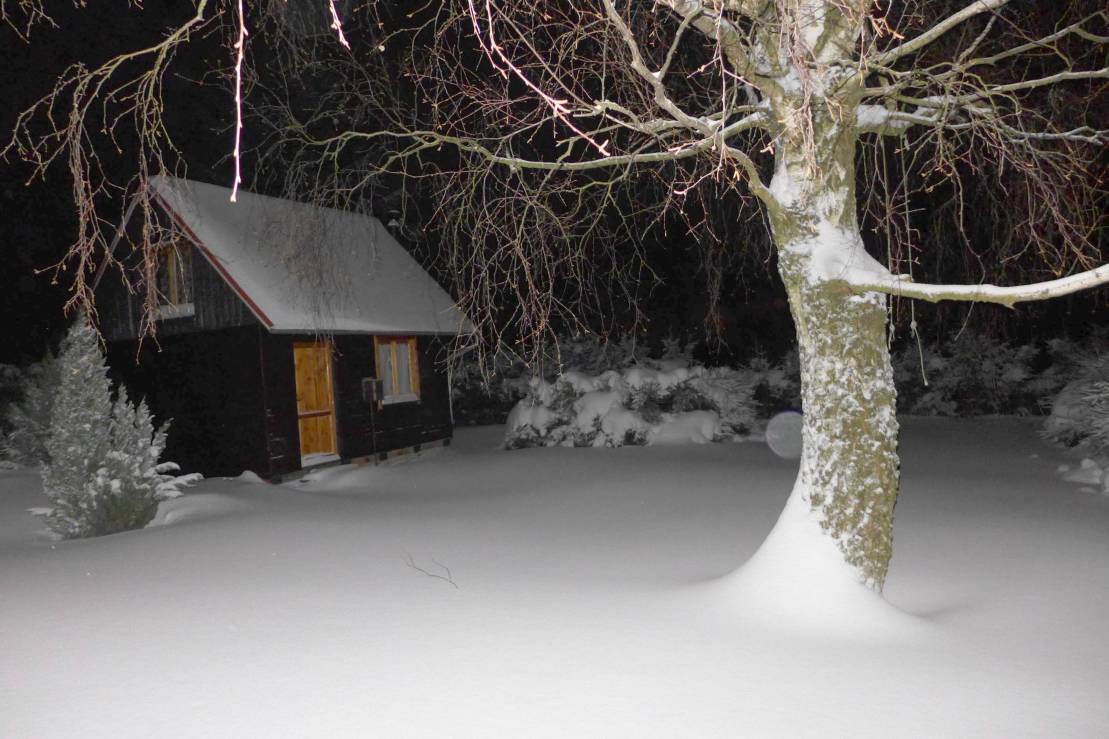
<point>279,388</point>
<point>353,360</point>
<point>232,395</point>
<point>407,424</point>
<point>217,305</point>
<point>210,385</point>
<point>363,428</point>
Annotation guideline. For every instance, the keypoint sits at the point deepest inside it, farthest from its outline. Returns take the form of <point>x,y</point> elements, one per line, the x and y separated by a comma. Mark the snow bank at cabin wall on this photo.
<point>640,405</point>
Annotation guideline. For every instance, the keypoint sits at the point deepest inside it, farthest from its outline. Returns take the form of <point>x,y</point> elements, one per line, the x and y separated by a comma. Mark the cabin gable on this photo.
<point>215,305</point>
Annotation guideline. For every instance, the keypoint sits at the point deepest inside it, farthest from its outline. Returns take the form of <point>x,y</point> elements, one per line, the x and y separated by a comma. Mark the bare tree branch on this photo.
<point>714,25</point>
<point>917,43</point>
<point>76,112</point>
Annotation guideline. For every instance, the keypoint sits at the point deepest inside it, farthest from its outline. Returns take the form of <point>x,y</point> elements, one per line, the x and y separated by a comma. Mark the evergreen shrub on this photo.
<point>1080,412</point>
<point>27,415</point>
<point>102,474</point>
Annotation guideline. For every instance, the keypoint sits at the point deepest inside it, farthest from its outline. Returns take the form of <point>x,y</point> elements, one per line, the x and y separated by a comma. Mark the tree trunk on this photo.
<point>848,475</point>
<point>849,463</point>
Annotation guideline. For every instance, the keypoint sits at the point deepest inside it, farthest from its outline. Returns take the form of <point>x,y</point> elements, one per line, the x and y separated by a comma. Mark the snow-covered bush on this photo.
<point>11,389</point>
<point>481,398</point>
<point>777,384</point>
<point>731,393</point>
<point>1065,359</point>
<point>640,405</point>
<point>486,395</point>
<point>103,474</point>
<point>592,354</point>
<point>1080,412</point>
<point>28,418</point>
<point>975,375</point>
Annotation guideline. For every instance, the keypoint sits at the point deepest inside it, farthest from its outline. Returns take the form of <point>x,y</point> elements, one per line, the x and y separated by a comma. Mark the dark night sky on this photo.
<point>37,221</point>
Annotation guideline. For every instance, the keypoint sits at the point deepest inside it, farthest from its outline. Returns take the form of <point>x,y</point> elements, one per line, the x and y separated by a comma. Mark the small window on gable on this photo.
<point>398,368</point>
<point>175,280</point>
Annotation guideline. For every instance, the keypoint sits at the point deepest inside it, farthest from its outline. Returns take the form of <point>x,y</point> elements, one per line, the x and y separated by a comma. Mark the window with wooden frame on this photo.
<point>175,279</point>
<point>398,368</point>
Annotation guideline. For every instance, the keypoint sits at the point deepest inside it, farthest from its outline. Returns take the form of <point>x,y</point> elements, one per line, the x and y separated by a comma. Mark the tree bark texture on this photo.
<point>849,472</point>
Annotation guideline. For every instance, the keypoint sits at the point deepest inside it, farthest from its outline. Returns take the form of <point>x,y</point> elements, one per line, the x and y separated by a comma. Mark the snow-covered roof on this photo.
<point>303,268</point>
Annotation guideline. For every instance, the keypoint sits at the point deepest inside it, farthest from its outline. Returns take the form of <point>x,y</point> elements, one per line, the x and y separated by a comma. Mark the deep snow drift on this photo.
<point>566,593</point>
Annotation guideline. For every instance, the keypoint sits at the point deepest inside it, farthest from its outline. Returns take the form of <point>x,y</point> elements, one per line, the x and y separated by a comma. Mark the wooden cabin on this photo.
<point>287,335</point>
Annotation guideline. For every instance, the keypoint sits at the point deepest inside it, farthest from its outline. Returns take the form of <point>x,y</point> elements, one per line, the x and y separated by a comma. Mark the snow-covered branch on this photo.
<point>1053,79</point>
<point>1048,42</point>
<point>878,119</point>
<point>903,286</point>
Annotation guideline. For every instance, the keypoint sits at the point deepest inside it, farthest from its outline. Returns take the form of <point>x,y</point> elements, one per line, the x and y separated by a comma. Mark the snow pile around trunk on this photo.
<point>798,582</point>
<point>669,403</point>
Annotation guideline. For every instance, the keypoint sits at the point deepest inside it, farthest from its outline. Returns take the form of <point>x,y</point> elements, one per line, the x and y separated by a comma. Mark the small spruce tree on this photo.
<point>29,417</point>
<point>103,474</point>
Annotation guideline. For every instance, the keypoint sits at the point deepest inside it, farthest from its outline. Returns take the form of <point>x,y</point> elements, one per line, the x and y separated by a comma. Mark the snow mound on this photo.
<point>339,478</point>
<point>693,427</point>
<point>798,583</point>
<point>196,507</point>
<point>363,477</point>
<point>593,405</point>
<point>1089,472</point>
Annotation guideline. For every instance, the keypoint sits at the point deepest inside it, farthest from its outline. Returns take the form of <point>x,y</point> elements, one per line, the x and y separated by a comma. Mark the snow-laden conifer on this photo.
<point>103,475</point>
<point>29,418</point>
<point>1080,412</point>
<point>127,487</point>
<point>80,433</point>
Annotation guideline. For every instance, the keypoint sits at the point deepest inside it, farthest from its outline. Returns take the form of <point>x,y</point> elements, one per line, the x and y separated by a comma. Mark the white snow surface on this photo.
<point>561,592</point>
<point>311,269</point>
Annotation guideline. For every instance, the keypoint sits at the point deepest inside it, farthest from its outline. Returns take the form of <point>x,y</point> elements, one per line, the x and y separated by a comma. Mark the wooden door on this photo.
<point>315,398</point>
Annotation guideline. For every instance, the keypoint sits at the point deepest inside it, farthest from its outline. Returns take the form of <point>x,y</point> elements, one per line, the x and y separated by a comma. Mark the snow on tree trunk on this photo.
<point>849,466</point>
<point>849,463</point>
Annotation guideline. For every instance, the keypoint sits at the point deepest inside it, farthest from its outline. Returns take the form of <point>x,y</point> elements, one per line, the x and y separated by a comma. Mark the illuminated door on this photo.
<point>315,398</point>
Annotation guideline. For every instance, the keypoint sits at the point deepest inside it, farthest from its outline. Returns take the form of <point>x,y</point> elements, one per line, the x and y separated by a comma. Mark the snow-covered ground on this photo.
<point>563,593</point>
